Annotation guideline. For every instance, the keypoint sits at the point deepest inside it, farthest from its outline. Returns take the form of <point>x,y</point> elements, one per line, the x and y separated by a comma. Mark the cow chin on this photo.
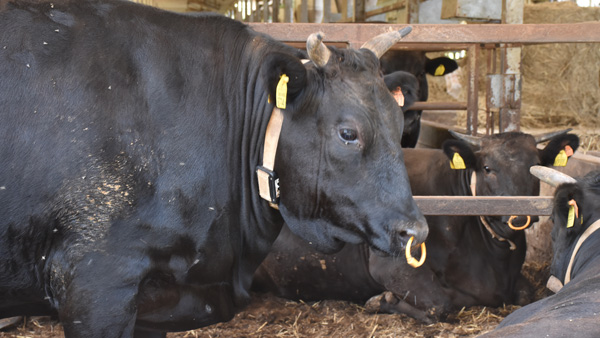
<point>323,236</point>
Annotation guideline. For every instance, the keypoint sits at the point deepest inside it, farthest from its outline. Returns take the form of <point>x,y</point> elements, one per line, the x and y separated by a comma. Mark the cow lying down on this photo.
<point>149,160</point>
<point>574,311</point>
<point>470,260</point>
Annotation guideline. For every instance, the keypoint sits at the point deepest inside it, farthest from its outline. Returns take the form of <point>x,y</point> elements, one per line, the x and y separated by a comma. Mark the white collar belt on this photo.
<point>268,181</point>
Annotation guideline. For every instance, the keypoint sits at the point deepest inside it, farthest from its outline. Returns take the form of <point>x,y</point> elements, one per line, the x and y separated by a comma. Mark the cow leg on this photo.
<point>523,291</point>
<point>417,292</point>
<point>387,302</point>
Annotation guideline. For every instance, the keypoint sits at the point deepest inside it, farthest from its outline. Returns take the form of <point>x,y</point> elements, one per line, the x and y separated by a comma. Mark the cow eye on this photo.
<point>348,135</point>
<point>487,169</point>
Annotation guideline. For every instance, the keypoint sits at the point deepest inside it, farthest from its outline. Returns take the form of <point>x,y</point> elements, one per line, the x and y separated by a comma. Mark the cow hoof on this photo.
<point>387,302</point>
<point>6,322</point>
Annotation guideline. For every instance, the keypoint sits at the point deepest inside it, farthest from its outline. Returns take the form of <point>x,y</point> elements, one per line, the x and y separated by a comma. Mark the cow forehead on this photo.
<point>514,144</point>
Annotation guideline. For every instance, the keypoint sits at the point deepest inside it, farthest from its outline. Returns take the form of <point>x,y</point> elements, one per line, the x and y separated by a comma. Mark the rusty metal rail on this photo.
<point>493,205</point>
<point>355,34</point>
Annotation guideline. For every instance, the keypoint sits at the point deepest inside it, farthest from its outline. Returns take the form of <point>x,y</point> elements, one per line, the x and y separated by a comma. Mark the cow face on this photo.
<point>404,86</point>
<point>339,160</point>
<point>563,237</point>
<point>582,201</point>
<point>502,163</point>
<point>418,64</point>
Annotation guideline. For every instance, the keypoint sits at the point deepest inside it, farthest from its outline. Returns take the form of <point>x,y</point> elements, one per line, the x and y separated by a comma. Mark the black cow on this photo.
<point>574,310</point>
<point>470,260</point>
<point>131,138</point>
<point>418,64</point>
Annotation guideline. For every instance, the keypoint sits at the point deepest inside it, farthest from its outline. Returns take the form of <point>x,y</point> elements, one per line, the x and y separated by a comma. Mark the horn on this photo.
<point>473,140</point>
<point>551,176</point>
<point>382,42</point>
<point>545,137</point>
<point>318,53</point>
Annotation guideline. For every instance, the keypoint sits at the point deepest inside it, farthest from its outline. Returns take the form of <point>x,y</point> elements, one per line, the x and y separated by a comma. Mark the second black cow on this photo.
<point>574,310</point>
<point>470,260</point>
<point>418,64</point>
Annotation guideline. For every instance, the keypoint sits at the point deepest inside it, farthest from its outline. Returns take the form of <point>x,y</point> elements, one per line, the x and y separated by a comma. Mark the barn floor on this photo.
<point>269,316</point>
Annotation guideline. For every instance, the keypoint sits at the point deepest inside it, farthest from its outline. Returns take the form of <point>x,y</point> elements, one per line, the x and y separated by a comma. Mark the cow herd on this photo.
<point>157,167</point>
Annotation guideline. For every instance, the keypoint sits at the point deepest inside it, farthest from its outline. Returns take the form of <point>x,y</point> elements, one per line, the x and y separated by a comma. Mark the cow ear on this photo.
<point>403,86</point>
<point>559,149</point>
<point>569,203</point>
<point>459,152</point>
<point>440,66</point>
<point>275,66</point>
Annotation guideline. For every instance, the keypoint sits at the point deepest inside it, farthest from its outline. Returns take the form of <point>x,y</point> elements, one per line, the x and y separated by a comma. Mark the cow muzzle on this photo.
<point>408,236</point>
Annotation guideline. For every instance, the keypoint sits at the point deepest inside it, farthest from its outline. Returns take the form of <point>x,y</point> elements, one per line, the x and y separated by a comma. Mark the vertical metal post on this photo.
<point>472,89</point>
<point>510,114</point>
<point>412,11</point>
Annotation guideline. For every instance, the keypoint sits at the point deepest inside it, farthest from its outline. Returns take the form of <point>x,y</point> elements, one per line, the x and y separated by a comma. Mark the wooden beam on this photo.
<point>485,205</point>
<point>385,9</point>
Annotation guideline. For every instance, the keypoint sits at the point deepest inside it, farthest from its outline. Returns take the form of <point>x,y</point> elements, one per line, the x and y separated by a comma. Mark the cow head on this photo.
<point>404,86</point>
<point>501,165</point>
<point>418,64</point>
<point>339,160</point>
<point>576,206</point>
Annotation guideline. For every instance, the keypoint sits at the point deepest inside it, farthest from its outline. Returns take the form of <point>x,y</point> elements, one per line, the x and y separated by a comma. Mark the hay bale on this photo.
<point>561,82</point>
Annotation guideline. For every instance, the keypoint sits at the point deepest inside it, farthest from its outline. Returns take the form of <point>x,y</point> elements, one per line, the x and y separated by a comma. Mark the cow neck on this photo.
<point>268,183</point>
<point>554,283</point>
<point>485,223</point>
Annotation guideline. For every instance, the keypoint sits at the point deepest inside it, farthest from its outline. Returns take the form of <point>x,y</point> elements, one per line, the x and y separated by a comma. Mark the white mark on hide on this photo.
<point>208,308</point>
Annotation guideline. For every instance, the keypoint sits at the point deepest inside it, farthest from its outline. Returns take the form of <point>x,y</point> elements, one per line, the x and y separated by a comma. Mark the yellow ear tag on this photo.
<point>281,92</point>
<point>571,217</point>
<point>573,213</point>
<point>440,70</point>
<point>561,159</point>
<point>457,162</point>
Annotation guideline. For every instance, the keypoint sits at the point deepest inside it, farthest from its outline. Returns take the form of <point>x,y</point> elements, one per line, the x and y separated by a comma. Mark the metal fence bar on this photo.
<point>485,205</point>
